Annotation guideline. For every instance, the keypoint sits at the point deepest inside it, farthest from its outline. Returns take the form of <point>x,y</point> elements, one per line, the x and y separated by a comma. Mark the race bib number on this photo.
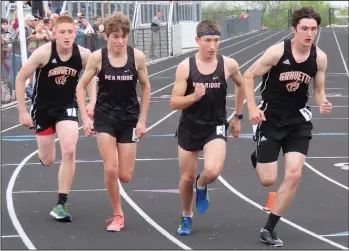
<point>71,112</point>
<point>220,130</point>
<point>134,137</point>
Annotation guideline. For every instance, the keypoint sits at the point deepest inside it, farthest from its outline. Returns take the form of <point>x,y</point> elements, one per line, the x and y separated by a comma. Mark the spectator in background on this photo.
<point>29,26</point>
<point>80,19</point>
<point>7,90</point>
<point>41,37</point>
<point>37,8</point>
<point>54,16</point>
<point>48,23</point>
<point>97,23</point>
<point>14,22</point>
<point>155,27</point>
<point>155,23</point>
<point>56,7</point>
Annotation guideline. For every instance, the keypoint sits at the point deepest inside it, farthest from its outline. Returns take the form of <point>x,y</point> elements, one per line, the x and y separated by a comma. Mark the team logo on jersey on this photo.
<point>292,87</point>
<point>118,77</point>
<point>297,76</point>
<point>61,80</point>
<point>62,70</point>
<point>208,85</point>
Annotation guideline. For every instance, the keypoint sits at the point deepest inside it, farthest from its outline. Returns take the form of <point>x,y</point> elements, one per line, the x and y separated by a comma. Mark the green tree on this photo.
<point>220,10</point>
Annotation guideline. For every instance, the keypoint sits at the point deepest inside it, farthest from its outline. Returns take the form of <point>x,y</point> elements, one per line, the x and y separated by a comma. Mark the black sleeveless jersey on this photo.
<point>55,83</point>
<point>210,110</point>
<point>284,88</point>
<point>117,95</point>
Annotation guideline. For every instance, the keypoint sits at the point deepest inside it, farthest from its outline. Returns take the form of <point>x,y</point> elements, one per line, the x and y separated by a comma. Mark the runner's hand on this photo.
<point>256,116</point>
<point>325,107</point>
<point>199,91</point>
<point>141,129</point>
<point>25,119</point>
<point>88,126</point>
<point>235,127</point>
<point>90,110</point>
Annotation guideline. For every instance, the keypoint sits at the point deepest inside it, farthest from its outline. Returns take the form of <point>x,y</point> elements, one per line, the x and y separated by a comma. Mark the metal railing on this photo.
<point>153,42</point>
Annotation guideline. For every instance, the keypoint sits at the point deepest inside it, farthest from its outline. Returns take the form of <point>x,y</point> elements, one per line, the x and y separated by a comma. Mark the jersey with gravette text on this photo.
<point>284,88</point>
<point>55,83</point>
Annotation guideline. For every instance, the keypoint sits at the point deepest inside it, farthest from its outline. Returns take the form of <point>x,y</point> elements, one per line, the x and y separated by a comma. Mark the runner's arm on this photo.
<point>319,80</point>
<point>239,89</point>
<point>91,86</point>
<point>90,71</point>
<point>178,100</point>
<point>259,68</point>
<point>144,83</point>
<point>38,58</point>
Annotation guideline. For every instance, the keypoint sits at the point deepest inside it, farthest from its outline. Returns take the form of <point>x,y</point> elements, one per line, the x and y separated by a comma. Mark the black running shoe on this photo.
<point>254,159</point>
<point>270,238</point>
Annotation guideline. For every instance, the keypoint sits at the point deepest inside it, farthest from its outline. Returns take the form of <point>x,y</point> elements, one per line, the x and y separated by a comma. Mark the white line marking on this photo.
<point>325,177</point>
<point>328,157</point>
<point>11,105</point>
<point>333,235</point>
<point>334,74</point>
<point>10,236</point>
<point>154,159</point>
<point>101,190</point>
<point>163,77</point>
<point>150,220</point>
<point>55,191</point>
<point>329,118</point>
<point>13,215</point>
<point>10,128</point>
<point>233,190</point>
<point>340,51</point>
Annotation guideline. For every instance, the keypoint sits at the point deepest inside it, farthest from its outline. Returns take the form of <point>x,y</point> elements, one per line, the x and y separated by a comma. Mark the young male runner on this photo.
<point>54,108</point>
<point>200,91</point>
<point>118,121</point>
<point>282,118</point>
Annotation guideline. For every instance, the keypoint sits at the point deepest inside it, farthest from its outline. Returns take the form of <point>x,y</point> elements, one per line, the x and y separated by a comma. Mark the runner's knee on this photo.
<point>188,178</point>
<point>292,176</point>
<point>68,152</point>
<point>125,177</point>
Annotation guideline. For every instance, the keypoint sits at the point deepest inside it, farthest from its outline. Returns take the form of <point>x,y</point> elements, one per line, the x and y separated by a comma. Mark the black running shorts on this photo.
<point>123,131</point>
<point>270,139</point>
<point>45,120</point>
<point>192,141</point>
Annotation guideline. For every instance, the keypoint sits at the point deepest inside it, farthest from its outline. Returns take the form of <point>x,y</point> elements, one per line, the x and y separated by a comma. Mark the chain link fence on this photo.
<point>154,42</point>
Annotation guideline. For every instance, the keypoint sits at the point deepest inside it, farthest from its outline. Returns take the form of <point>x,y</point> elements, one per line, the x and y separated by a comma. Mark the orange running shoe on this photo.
<point>117,224</point>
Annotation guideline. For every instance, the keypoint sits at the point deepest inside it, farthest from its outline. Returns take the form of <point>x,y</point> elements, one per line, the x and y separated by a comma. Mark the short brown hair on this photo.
<point>96,17</point>
<point>116,22</point>
<point>63,19</point>
<point>305,12</point>
<point>207,26</point>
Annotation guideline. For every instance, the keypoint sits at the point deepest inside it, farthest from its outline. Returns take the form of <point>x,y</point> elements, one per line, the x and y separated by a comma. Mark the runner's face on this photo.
<point>305,31</point>
<point>65,34</point>
<point>118,40</point>
<point>208,44</point>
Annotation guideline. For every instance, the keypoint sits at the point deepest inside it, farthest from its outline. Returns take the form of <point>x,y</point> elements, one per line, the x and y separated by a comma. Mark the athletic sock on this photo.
<point>188,215</point>
<point>271,223</point>
<point>198,186</point>
<point>62,198</point>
